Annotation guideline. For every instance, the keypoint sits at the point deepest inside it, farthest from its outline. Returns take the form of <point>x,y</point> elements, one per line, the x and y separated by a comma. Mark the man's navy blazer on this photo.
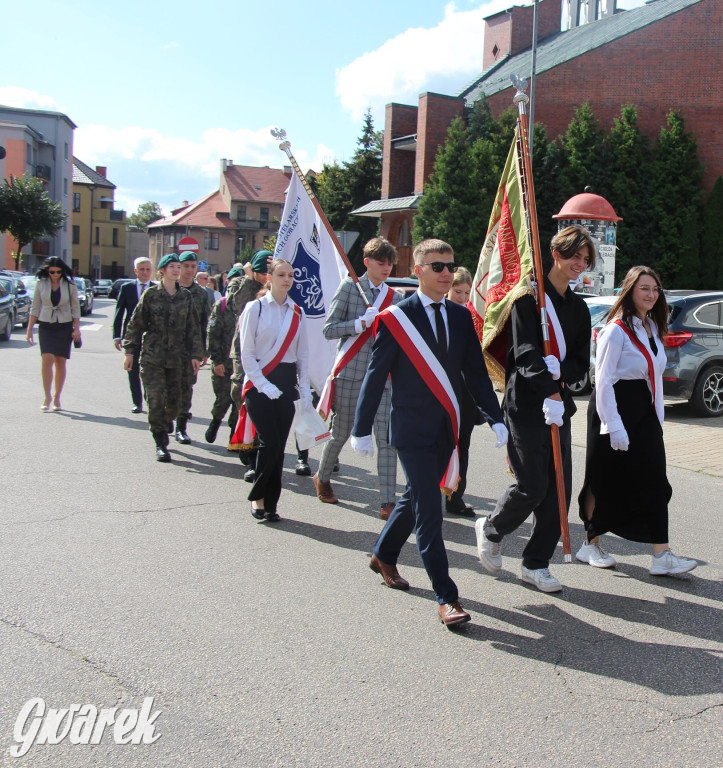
<point>126,303</point>
<point>418,419</point>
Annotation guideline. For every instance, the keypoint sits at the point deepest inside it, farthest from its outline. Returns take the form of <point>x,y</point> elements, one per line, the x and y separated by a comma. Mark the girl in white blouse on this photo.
<point>626,490</point>
<point>274,354</point>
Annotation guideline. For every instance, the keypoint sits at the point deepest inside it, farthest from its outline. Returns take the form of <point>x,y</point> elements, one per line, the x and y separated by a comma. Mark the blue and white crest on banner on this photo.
<point>306,290</point>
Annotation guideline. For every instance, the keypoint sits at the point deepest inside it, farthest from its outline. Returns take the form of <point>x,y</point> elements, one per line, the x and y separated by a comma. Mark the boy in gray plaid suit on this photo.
<point>348,317</point>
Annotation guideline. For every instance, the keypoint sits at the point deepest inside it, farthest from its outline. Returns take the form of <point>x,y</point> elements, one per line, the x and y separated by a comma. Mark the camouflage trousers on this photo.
<point>188,379</point>
<point>222,391</point>
<point>163,395</point>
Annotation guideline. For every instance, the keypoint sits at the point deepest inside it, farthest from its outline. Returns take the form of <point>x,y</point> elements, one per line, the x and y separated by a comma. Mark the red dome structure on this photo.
<point>587,206</point>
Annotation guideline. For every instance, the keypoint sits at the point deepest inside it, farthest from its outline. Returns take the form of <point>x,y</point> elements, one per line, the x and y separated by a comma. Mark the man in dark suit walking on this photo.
<point>128,297</point>
<point>430,349</point>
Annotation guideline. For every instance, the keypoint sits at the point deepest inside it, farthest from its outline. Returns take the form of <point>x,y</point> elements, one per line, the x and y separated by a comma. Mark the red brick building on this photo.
<point>664,55</point>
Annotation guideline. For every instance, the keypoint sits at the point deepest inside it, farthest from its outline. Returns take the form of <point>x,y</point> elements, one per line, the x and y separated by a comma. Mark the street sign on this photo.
<point>188,244</point>
<point>203,266</point>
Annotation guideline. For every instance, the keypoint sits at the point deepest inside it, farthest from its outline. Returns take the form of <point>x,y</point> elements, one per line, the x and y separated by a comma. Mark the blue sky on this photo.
<point>161,91</point>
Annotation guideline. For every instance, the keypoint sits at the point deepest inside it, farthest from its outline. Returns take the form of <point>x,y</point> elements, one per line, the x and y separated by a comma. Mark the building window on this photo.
<point>76,202</point>
<point>76,234</point>
<point>241,213</point>
<point>97,235</point>
<point>264,218</point>
<point>211,241</point>
<point>172,237</point>
<point>115,237</point>
<point>28,154</point>
<point>65,187</point>
<point>75,266</point>
<point>65,150</point>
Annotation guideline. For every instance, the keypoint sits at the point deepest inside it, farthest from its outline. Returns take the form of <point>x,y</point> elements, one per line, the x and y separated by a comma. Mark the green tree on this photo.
<point>27,213</point>
<point>711,242</point>
<point>146,214</point>
<point>343,188</point>
<point>676,203</point>
<point>630,156</point>
<point>587,151</point>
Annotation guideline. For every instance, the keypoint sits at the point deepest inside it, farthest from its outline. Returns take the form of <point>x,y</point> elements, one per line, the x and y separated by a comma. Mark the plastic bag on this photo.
<point>309,427</point>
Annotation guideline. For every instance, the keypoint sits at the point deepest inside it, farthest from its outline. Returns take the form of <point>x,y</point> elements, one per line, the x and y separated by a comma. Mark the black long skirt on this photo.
<point>631,488</point>
<point>55,338</point>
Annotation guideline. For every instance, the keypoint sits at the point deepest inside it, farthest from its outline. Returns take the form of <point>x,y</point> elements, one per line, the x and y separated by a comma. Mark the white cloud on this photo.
<point>12,96</point>
<point>441,58</point>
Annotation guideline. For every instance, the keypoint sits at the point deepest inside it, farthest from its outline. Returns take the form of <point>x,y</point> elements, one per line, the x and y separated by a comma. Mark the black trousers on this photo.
<point>272,419</point>
<point>535,491</point>
<point>467,418</point>
<point>134,380</point>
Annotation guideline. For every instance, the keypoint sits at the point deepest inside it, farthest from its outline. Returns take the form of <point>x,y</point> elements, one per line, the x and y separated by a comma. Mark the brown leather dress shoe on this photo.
<point>386,510</point>
<point>324,492</point>
<point>451,614</point>
<point>389,573</point>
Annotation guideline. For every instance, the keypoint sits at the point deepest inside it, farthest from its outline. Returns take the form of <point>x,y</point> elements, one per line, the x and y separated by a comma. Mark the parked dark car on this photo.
<point>21,299</point>
<point>7,308</point>
<point>694,348</point>
<point>115,288</point>
<point>101,287</point>
<point>85,295</point>
<point>404,285</point>
<point>599,307</point>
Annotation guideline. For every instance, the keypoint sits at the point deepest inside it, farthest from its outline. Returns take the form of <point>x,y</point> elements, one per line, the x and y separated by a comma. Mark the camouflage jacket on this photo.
<point>241,295</point>
<point>200,300</point>
<point>221,328</point>
<point>165,328</point>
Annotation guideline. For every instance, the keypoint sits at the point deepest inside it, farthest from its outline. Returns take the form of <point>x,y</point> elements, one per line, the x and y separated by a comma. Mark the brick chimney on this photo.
<point>509,32</point>
<point>101,169</point>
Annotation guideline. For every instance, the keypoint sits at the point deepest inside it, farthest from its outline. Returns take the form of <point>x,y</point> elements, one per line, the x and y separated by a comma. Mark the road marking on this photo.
<point>92,327</point>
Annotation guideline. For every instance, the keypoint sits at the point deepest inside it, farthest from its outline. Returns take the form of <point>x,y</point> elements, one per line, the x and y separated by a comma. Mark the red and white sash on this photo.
<point>243,436</point>
<point>348,351</point>
<point>643,350</point>
<point>557,337</point>
<point>435,377</point>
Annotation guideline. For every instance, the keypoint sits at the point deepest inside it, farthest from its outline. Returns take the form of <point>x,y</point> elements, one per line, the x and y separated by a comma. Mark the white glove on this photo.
<point>364,446</point>
<point>368,317</point>
<point>554,410</point>
<point>501,434</point>
<point>619,440</point>
<point>307,401</point>
<point>271,391</point>
<point>553,366</point>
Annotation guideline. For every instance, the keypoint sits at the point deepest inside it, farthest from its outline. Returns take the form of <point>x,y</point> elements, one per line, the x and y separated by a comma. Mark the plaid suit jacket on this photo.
<point>346,307</point>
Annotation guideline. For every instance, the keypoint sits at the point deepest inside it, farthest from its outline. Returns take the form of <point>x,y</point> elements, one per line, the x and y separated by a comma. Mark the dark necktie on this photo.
<point>143,287</point>
<point>375,293</point>
<point>441,330</point>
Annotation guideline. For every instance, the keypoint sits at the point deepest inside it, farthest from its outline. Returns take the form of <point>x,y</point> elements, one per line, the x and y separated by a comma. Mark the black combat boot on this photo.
<point>161,440</point>
<point>302,464</point>
<point>212,430</point>
<point>181,436</point>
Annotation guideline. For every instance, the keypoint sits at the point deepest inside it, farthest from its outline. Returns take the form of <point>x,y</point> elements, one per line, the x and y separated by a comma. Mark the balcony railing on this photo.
<point>252,224</point>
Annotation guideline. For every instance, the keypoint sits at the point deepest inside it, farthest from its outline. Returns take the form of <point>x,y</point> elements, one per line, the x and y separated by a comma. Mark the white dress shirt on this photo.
<point>259,332</point>
<point>618,359</point>
<point>429,309</point>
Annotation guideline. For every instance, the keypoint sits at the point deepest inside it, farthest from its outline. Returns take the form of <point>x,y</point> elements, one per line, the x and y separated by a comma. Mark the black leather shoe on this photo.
<point>271,517</point>
<point>302,468</point>
<point>250,475</point>
<point>162,454</point>
<point>463,511</point>
<point>181,436</point>
<point>212,430</point>
<point>136,409</point>
<point>257,513</point>
<point>336,467</point>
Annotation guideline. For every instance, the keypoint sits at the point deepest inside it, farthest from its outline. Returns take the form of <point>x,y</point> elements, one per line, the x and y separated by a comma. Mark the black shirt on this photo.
<point>528,380</point>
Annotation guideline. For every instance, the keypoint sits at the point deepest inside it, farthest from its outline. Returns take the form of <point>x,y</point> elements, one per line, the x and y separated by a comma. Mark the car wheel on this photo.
<point>581,387</point>
<point>707,399</point>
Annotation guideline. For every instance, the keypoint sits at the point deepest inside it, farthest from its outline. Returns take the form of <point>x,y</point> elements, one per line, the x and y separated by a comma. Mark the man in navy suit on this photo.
<point>427,345</point>
<point>128,297</point>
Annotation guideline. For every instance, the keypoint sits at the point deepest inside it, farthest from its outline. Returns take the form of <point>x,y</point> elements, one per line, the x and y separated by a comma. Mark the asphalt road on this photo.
<point>122,579</point>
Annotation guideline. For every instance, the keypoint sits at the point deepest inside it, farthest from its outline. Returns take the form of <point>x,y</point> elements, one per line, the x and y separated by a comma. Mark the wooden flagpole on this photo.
<point>523,143</point>
<point>285,146</point>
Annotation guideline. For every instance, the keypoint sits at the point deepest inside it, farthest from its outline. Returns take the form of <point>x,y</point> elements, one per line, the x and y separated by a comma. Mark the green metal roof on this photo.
<point>378,207</point>
<point>567,45</point>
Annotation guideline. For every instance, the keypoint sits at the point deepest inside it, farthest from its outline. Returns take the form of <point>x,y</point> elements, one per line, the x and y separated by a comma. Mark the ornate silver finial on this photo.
<point>278,133</point>
<point>520,85</point>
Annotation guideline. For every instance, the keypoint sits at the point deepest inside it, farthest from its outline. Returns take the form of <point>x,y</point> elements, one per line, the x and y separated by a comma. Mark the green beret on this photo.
<point>259,262</point>
<point>188,256</point>
<point>167,259</point>
<point>235,272</point>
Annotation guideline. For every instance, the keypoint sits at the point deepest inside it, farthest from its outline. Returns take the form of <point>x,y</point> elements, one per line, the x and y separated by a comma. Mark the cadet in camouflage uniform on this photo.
<point>165,327</point>
<point>189,267</point>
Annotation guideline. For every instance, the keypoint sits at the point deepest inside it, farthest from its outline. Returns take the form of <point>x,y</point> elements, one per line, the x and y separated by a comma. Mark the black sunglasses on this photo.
<point>438,266</point>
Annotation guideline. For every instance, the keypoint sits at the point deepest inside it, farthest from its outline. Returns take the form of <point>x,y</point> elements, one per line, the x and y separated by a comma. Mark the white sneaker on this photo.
<point>594,554</point>
<point>541,578</point>
<point>670,563</point>
<point>488,551</point>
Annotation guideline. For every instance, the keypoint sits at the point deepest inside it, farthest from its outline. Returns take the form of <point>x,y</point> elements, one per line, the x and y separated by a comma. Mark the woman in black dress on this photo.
<point>56,310</point>
<point>626,489</point>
